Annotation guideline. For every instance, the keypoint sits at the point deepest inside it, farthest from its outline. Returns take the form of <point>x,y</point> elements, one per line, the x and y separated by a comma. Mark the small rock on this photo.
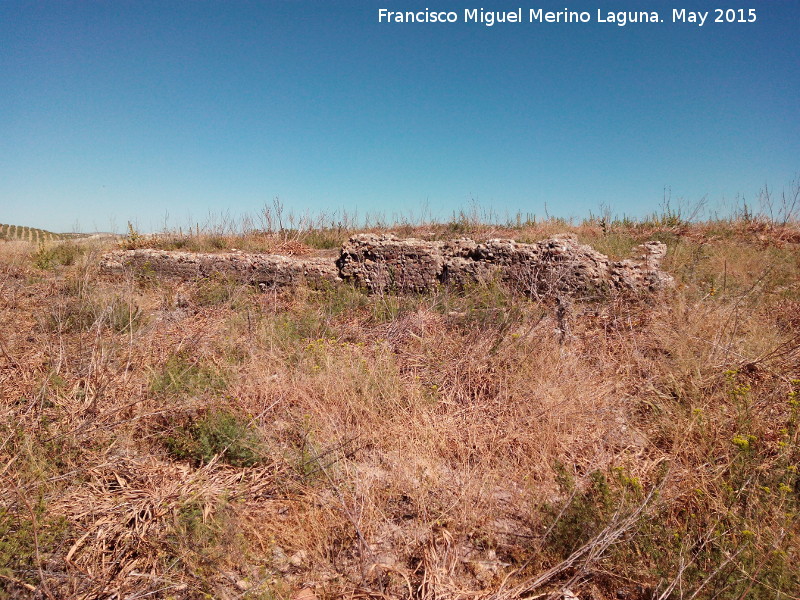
<point>280,560</point>
<point>298,559</point>
<point>305,594</point>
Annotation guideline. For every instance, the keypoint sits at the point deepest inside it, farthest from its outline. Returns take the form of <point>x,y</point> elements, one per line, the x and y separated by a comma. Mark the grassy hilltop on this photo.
<point>168,439</point>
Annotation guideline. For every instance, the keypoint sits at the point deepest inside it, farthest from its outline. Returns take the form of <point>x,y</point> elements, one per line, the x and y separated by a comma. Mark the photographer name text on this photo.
<point>490,18</point>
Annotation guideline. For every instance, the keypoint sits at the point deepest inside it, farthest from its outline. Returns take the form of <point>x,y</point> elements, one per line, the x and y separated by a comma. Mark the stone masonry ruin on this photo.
<point>385,263</point>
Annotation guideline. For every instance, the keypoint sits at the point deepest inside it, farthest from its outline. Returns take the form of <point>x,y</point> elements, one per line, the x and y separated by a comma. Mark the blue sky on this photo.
<point>148,112</point>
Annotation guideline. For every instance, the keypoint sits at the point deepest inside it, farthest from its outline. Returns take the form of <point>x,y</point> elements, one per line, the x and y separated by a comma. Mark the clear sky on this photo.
<point>121,110</point>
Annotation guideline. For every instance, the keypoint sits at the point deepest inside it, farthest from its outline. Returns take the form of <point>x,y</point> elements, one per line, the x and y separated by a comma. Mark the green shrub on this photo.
<point>218,433</point>
<point>22,538</point>
<point>587,512</point>
<point>51,256</point>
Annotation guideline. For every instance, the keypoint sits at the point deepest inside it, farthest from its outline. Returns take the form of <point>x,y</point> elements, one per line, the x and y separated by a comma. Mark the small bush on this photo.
<point>51,256</point>
<point>586,514</point>
<point>218,242</point>
<point>220,433</point>
<point>134,239</point>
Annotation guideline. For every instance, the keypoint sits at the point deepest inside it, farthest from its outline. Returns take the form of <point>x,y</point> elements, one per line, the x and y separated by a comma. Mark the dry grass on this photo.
<point>160,439</point>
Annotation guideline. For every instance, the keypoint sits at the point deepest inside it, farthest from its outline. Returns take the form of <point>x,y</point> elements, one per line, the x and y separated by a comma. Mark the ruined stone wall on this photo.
<point>382,263</point>
<point>558,264</point>
<point>270,270</point>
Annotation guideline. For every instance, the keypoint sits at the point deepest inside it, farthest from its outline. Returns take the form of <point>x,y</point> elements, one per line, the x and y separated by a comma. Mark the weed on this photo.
<point>586,513</point>
<point>201,537</point>
<point>217,290</point>
<point>145,276</point>
<point>218,433</point>
<point>124,315</point>
<point>49,256</point>
<point>134,239</point>
<point>72,316</point>
<point>325,239</point>
<point>84,312</point>
<point>28,541</point>
<point>181,375</point>
<point>217,242</point>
